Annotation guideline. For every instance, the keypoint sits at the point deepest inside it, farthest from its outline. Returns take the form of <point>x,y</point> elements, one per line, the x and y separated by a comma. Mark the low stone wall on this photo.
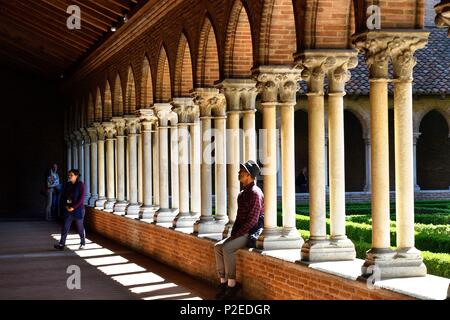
<point>263,277</point>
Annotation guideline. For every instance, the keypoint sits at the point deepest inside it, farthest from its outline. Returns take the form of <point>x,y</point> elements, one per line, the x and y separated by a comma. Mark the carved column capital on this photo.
<point>120,124</point>
<point>443,15</point>
<point>100,130</point>
<point>186,110</point>
<point>132,123</point>
<point>165,114</point>
<point>109,129</point>
<point>240,93</point>
<point>92,131</point>
<point>210,101</point>
<point>147,118</point>
<point>278,82</point>
<point>315,64</point>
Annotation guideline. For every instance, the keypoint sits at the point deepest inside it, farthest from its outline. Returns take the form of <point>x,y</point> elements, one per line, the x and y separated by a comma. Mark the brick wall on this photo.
<point>262,277</point>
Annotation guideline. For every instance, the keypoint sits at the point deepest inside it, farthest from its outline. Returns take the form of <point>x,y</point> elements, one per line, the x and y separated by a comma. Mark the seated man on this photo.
<point>250,207</point>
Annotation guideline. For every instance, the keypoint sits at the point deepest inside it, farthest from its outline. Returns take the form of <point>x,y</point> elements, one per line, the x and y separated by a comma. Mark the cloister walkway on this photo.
<point>31,269</point>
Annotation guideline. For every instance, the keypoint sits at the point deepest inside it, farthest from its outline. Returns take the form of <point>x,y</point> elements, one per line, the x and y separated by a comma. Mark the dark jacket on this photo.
<point>73,196</point>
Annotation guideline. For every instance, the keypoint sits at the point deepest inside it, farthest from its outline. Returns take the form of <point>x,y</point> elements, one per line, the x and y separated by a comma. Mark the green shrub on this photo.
<point>437,263</point>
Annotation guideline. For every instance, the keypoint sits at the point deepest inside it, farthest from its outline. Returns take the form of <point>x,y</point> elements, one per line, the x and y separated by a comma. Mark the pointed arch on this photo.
<point>163,85</point>
<point>146,85</point>
<point>130,101</point>
<point>238,59</point>
<point>118,97</point>
<point>208,59</point>
<point>278,41</point>
<point>98,106</point>
<point>107,103</point>
<point>90,112</point>
<point>183,82</point>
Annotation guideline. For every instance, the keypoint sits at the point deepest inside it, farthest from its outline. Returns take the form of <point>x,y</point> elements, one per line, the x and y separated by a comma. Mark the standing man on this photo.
<point>250,207</point>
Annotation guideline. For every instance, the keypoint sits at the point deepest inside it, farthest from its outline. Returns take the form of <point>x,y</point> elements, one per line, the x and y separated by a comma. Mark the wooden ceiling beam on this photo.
<point>116,11</point>
<point>108,16</point>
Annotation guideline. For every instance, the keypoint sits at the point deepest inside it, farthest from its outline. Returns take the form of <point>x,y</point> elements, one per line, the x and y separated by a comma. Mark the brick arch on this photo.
<point>118,97</point>
<point>183,82</point>
<point>208,58</point>
<point>277,42</point>
<point>238,55</point>
<point>146,85</point>
<point>130,95</point>
<point>107,103</point>
<point>98,110</point>
<point>163,84</point>
<point>90,109</point>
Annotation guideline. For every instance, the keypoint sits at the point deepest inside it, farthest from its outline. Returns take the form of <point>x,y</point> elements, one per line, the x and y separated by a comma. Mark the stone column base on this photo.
<point>165,215</point>
<point>109,205</point>
<point>147,213</point>
<point>92,200</point>
<point>184,220</point>
<point>133,209</point>
<point>273,239</point>
<point>120,207</point>
<point>385,264</point>
<point>328,250</point>
<point>209,226</point>
<point>227,230</point>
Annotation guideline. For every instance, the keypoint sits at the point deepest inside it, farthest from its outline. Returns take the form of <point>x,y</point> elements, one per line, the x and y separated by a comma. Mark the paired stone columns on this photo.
<point>335,64</point>
<point>87,165</point>
<point>380,47</point>
<point>278,86</point>
<point>133,124</point>
<point>100,203</point>
<point>92,131</point>
<point>121,203</point>
<point>79,136</point>
<point>166,213</point>
<point>212,106</point>
<point>148,121</point>
<point>240,95</point>
<point>188,117</point>
<point>443,15</point>
<point>110,132</point>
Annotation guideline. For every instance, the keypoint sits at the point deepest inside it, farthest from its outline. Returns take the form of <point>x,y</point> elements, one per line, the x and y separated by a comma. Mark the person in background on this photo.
<point>250,207</point>
<point>73,201</point>
<point>302,181</point>
<point>52,192</point>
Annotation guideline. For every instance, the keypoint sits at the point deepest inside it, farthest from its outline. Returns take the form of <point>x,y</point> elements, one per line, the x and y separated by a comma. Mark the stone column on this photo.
<point>267,78</point>
<point>288,87</point>
<point>148,121</point>
<point>443,15</point>
<point>402,53</point>
<point>238,92</point>
<point>196,154</point>
<point>220,143</point>
<point>69,153</point>
<point>132,123</point>
<point>368,185</point>
<point>155,162</point>
<point>74,151</point>
<point>211,104</point>
<point>100,203</point>
<point>110,132</point>
<point>415,138</point>
<point>165,213</point>
<point>87,166</point>
<point>80,147</point>
<point>174,162</point>
<point>338,75</point>
<point>140,162</point>
<point>121,203</point>
<point>187,115</point>
<point>92,131</point>
<point>315,64</point>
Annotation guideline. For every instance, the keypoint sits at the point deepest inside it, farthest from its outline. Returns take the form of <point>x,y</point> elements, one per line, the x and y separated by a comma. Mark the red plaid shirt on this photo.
<point>250,206</point>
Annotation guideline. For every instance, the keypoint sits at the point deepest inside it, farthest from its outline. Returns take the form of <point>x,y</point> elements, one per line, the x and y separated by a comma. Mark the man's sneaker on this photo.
<point>232,292</point>
<point>221,289</point>
<point>81,246</point>
<point>59,246</point>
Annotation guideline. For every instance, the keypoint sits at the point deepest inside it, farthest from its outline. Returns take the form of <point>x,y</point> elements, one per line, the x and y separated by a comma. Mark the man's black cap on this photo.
<point>251,167</point>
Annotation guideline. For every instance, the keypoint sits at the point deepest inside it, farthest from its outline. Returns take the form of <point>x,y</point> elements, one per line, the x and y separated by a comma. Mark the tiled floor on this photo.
<point>31,269</point>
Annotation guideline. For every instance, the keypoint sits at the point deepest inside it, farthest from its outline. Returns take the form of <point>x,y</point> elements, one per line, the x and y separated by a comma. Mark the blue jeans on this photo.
<point>66,227</point>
